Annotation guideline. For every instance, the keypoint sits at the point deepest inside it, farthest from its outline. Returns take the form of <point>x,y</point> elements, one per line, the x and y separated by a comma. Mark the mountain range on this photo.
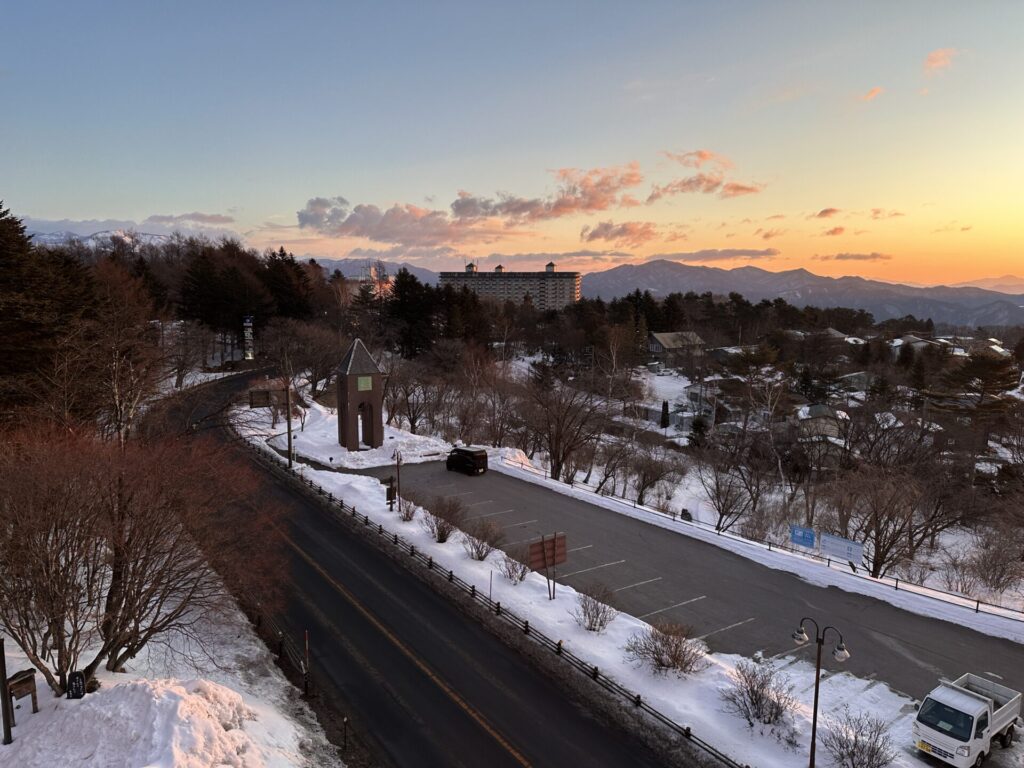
<point>98,238</point>
<point>955,305</point>
<point>986,301</point>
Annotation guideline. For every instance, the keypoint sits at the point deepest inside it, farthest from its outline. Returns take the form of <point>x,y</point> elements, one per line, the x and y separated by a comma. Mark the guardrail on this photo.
<point>384,538</point>
<point>950,598</point>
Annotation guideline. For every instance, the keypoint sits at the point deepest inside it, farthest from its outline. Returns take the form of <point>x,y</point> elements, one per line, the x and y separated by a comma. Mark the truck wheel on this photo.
<point>980,761</point>
<point>1007,738</point>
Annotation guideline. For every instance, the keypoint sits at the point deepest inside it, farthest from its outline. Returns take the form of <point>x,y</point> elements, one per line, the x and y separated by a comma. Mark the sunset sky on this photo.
<point>873,138</point>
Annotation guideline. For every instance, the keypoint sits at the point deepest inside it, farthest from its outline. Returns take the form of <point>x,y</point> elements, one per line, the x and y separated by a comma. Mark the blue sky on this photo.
<point>118,112</point>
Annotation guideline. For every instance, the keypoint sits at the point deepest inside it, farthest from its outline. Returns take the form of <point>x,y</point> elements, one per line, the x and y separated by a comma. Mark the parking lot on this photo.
<point>737,605</point>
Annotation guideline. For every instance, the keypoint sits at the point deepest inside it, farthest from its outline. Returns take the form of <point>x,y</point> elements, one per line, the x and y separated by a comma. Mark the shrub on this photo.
<point>406,509</point>
<point>480,537</point>
<point>760,693</point>
<point>957,574</point>
<point>858,741</point>
<point>996,562</point>
<point>513,567</point>
<point>443,518</point>
<point>666,646</point>
<point>593,609</point>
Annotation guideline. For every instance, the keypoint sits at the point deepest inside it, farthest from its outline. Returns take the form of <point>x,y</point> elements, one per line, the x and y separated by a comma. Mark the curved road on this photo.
<point>426,685</point>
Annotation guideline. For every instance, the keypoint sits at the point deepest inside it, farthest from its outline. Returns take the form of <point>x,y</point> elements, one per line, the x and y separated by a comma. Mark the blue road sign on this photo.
<point>802,537</point>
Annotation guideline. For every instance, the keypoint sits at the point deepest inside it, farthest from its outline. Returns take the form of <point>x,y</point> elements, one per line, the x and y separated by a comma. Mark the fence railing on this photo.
<point>384,538</point>
<point>968,602</point>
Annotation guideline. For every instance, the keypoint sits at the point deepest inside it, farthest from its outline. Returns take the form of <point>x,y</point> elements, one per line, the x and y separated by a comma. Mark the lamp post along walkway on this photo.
<point>839,653</point>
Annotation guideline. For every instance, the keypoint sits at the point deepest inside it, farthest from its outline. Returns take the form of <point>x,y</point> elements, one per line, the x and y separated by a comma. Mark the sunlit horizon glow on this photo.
<point>784,136</point>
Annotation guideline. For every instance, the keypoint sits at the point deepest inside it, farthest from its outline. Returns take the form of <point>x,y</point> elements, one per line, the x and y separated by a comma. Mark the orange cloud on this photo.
<point>873,94</point>
<point>579,191</point>
<point>633,233</point>
<point>939,60</point>
<point>768,234</point>
<point>882,213</point>
<point>698,158</point>
<point>824,213</point>
<point>835,231</point>
<point>735,189</point>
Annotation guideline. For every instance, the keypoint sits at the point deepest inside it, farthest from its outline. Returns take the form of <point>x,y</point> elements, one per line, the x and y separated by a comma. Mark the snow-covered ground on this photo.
<point>318,440</point>
<point>175,708</point>
<point>694,701</point>
<point>668,385</point>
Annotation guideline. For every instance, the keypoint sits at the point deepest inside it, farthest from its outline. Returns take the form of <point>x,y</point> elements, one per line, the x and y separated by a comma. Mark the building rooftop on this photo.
<point>358,361</point>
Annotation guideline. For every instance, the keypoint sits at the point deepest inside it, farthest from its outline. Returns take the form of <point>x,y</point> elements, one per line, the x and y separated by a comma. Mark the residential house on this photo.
<point>676,349</point>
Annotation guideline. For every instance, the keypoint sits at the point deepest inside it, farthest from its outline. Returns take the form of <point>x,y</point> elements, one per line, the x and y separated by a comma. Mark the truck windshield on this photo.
<point>945,719</point>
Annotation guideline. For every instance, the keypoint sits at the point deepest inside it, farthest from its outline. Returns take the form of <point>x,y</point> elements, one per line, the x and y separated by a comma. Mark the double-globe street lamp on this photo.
<point>839,653</point>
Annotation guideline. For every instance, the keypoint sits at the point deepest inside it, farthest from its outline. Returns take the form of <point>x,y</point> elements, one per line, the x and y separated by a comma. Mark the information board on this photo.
<point>841,549</point>
<point>802,537</point>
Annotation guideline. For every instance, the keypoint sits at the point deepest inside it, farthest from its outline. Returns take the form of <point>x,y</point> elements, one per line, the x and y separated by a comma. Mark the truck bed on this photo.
<point>1005,701</point>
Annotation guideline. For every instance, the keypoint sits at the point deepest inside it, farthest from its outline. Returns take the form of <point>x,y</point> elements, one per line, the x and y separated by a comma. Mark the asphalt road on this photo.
<point>738,605</point>
<point>426,685</point>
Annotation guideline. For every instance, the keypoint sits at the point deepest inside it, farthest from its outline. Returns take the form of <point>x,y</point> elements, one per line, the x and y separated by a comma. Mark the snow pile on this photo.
<point>158,724</point>
<point>318,440</point>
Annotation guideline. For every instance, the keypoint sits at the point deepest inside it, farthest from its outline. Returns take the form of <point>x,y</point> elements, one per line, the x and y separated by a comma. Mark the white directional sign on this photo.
<point>841,549</point>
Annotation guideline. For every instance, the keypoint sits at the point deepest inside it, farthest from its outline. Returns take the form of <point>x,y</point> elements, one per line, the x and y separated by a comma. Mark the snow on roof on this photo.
<point>887,419</point>
<point>677,339</point>
<point>855,340</point>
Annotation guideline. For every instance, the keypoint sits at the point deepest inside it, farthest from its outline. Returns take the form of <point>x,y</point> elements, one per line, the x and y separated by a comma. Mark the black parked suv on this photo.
<point>472,461</point>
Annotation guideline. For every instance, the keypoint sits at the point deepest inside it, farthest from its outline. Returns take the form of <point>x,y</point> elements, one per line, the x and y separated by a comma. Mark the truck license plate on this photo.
<point>924,746</point>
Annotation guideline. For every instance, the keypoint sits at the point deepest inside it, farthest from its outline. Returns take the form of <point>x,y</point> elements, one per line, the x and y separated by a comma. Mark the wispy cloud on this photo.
<point>873,94</point>
<point>698,158</point>
<point>834,232</point>
<point>634,233</point>
<point>874,256</point>
<point>882,213</point>
<point>721,254</point>
<point>735,189</point>
<point>824,213</point>
<point>768,234</point>
<point>939,60</point>
<point>195,217</point>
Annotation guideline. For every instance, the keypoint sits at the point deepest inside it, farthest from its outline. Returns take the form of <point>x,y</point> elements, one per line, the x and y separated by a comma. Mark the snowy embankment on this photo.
<point>175,708</point>
<point>694,701</point>
<point>317,439</point>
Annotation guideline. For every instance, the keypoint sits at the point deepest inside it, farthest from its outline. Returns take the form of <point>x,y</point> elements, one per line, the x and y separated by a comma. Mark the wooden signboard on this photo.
<point>548,552</point>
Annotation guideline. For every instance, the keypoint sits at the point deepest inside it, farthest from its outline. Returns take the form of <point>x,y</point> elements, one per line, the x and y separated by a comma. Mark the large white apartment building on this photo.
<point>547,289</point>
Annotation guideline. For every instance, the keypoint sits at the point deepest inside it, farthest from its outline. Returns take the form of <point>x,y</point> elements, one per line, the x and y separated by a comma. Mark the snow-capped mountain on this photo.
<point>98,238</point>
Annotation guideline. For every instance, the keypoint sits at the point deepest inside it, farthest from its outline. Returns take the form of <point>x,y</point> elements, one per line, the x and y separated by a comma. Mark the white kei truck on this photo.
<point>961,719</point>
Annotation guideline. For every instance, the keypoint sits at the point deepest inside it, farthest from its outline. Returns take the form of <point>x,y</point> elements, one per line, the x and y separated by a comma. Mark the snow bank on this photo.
<point>158,724</point>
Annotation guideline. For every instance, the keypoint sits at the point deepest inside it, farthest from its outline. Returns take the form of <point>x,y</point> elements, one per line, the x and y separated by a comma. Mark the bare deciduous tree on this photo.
<point>481,537</point>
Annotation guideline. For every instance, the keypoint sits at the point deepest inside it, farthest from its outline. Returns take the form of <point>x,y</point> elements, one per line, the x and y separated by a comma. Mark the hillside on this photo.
<point>954,305</point>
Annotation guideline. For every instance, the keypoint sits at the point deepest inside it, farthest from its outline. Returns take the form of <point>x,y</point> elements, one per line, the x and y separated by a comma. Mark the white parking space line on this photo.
<point>478,503</point>
<point>521,541</point>
<point>578,549</point>
<point>669,608</point>
<point>585,570</point>
<point>491,514</point>
<point>638,584</point>
<point>464,493</point>
<point>513,525</point>
<point>731,626</point>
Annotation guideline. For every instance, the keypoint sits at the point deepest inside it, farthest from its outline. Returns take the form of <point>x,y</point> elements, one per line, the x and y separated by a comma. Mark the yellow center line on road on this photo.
<point>408,653</point>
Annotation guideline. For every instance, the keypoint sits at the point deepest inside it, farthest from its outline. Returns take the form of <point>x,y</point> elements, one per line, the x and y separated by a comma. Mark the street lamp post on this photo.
<point>839,653</point>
